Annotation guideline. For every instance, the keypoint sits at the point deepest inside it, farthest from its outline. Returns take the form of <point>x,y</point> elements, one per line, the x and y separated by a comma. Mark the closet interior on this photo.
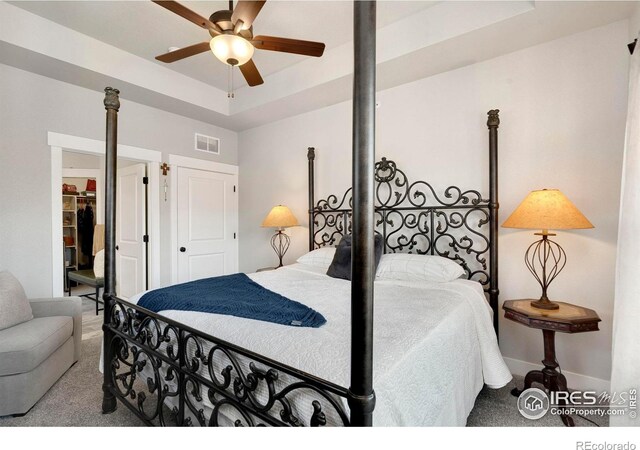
<point>78,223</point>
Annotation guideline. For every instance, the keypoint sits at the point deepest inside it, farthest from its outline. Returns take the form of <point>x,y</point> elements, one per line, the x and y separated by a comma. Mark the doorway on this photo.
<point>146,200</point>
<point>83,224</point>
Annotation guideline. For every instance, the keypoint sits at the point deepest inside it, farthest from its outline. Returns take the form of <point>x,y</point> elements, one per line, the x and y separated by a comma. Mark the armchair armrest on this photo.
<point>62,306</point>
<point>59,306</point>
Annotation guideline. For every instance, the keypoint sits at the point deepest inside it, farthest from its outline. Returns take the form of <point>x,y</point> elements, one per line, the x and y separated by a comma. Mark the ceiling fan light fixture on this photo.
<point>231,49</point>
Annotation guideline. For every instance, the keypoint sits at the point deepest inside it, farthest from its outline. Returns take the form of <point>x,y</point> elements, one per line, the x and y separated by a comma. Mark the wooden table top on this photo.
<point>568,318</point>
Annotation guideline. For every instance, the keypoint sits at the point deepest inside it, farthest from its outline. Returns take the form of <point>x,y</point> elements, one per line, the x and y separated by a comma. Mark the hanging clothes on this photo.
<point>87,231</point>
<point>80,219</point>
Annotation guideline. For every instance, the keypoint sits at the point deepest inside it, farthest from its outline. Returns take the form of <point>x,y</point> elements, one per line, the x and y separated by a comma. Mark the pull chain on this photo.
<point>230,93</point>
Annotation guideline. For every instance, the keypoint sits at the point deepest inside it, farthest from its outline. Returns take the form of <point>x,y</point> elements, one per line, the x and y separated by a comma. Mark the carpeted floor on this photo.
<point>76,398</point>
<point>497,408</point>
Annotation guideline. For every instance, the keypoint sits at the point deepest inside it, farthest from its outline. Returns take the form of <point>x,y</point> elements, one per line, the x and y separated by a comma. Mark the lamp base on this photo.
<point>544,304</point>
<point>545,259</point>
<point>280,244</point>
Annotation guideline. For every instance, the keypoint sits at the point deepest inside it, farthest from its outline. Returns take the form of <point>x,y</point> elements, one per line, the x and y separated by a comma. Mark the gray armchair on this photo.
<point>35,354</point>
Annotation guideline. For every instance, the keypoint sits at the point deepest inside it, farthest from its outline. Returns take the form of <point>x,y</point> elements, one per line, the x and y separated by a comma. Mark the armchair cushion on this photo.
<point>14,306</point>
<point>25,346</point>
<point>62,306</point>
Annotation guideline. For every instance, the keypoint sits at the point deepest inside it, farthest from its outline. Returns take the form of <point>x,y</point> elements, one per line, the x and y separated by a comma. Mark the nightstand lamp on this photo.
<point>280,217</point>
<point>546,209</point>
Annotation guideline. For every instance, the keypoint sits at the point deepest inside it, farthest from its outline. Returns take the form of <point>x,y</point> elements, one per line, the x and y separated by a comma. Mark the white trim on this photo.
<point>95,147</point>
<point>57,251</point>
<point>176,161</point>
<point>574,380</point>
<point>173,217</point>
<point>194,163</point>
<point>90,173</point>
<point>59,142</point>
<point>153,172</point>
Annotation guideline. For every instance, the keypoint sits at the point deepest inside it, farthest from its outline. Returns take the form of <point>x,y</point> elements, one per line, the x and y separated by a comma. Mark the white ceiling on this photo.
<point>98,44</point>
<point>147,30</point>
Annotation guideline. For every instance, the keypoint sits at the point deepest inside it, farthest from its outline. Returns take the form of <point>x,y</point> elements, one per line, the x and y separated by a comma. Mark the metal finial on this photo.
<point>311,153</point>
<point>111,99</point>
<point>494,118</point>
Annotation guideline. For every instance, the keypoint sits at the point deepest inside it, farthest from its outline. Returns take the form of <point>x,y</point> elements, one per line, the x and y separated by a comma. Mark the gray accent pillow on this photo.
<point>341,265</point>
<point>14,305</point>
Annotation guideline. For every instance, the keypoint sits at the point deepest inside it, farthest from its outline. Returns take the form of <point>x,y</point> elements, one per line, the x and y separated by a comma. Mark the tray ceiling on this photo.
<point>147,30</point>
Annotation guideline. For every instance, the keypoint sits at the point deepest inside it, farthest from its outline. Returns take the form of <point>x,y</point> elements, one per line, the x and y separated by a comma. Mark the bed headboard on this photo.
<point>414,217</point>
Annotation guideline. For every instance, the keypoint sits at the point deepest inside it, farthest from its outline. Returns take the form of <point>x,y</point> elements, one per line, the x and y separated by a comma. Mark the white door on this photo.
<point>131,277</point>
<point>207,224</point>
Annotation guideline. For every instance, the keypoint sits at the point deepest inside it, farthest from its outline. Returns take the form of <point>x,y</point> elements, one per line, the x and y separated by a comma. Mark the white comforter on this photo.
<point>434,344</point>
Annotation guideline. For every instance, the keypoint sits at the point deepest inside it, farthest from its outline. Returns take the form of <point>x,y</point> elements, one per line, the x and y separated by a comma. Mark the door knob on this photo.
<point>182,249</point>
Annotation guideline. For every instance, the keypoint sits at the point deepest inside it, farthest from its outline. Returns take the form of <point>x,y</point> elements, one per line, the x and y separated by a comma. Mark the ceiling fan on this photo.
<point>232,40</point>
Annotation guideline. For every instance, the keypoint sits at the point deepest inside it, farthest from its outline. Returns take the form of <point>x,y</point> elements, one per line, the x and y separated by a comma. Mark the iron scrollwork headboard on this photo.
<point>413,217</point>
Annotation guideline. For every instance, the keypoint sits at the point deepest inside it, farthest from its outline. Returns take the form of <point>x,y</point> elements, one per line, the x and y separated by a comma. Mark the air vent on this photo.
<point>207,144</point>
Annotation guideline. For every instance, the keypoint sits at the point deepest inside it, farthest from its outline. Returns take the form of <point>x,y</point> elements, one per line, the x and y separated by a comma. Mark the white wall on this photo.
<point>32,105</point>
<point>563,107</point>
<point>73,160</point>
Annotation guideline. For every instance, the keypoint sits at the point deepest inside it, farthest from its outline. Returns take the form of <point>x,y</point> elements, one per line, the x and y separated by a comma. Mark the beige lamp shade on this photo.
<point>547,209</point>
<point>280,217</point>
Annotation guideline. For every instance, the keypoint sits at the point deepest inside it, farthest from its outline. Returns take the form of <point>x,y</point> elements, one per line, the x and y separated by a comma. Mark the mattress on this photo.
<point>434,343</point>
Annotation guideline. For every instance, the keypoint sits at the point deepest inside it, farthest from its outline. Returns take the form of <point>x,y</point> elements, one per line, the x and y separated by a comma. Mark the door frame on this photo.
<point>152,158</point>
<point>176,161</point>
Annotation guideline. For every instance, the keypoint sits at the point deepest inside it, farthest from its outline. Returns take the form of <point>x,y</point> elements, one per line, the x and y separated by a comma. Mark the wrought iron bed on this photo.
<point>413,218</point>
<point>167,373</point>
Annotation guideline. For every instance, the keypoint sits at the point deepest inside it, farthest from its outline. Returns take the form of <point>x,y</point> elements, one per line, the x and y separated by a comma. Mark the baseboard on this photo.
<point>574,380</point>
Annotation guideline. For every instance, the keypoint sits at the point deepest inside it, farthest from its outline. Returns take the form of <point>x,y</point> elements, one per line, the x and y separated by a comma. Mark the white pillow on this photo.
<point>409,267</point>
<point>98,264</point>
<point>321,257</point>
<point>14,306</point>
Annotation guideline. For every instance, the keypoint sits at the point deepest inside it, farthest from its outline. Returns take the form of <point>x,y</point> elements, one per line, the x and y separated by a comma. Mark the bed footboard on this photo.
<point>170,374</point>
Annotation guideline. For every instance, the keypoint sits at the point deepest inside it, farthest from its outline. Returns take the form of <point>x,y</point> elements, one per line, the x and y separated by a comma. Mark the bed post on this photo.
<point>112,105</point>
<point>361,395</point>
<point>311,156</point>
<point>493,122</point>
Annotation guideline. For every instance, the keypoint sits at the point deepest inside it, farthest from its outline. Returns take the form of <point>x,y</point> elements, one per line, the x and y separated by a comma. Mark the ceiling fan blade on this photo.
<point>184,52</point>
<point>247,12</point>
<point>278,44</point>
<point>251,74</point>
<point>191,16</point>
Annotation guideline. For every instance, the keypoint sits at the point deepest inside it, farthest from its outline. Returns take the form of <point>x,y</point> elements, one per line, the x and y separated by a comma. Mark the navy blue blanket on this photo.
<point>232,295</point>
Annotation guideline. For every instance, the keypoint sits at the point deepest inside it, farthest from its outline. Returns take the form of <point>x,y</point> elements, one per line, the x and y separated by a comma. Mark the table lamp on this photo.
<point>546,209</point>
<point>280,217</point>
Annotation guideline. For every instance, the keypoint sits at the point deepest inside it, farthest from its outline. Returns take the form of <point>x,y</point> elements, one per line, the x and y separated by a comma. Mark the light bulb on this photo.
<point>231,49</point>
